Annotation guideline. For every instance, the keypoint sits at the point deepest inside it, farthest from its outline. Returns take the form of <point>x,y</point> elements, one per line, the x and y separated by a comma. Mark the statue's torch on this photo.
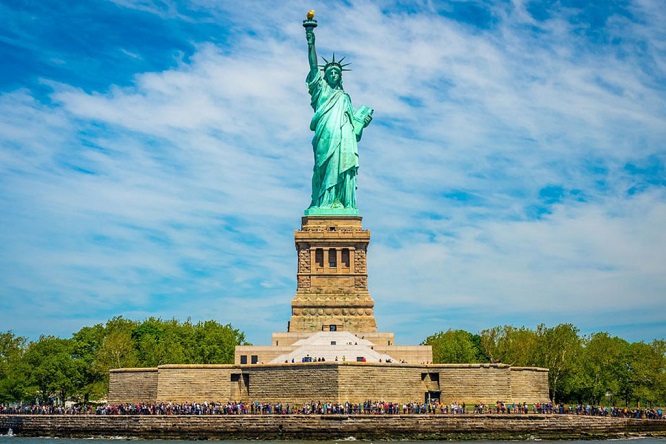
<point>309,23</point>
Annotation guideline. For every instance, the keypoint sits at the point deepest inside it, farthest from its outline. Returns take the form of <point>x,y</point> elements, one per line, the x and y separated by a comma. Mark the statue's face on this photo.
<point>333,77</point>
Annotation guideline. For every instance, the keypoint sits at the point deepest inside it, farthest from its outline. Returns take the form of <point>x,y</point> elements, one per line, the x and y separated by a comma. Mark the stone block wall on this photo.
<point>334,427</point>
<point>330,381</point>
<point>188,383</point>
<point>529,384</point>
<point>264,353</point>
<point>379,338</point>
<point>369,381</point>
<point>295,383</point>
<point>411,354</point>
<point>383,343</point>
<point>472,383</point>
<point>132,385</point>
<point>286,339</point>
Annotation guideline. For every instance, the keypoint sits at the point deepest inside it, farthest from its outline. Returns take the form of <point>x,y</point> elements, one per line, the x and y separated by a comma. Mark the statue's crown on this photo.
<point>335,63</point>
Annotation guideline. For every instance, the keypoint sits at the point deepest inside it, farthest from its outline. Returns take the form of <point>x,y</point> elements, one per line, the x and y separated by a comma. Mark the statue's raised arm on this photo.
<point>312,52</point>
<point>337,129</point>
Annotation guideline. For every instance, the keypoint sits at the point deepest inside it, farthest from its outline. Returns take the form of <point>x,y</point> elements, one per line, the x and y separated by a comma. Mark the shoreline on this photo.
<point>333,427</point>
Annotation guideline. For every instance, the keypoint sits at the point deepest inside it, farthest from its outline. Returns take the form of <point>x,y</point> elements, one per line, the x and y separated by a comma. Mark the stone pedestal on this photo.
<point>332,292</point>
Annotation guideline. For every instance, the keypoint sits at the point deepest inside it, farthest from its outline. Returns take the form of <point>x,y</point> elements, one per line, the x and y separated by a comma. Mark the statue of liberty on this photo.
<point>338,128</point>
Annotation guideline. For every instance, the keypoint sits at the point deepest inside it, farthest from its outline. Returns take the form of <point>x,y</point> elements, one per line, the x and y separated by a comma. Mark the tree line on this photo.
<point>53,369</point>
<point>598,369</point>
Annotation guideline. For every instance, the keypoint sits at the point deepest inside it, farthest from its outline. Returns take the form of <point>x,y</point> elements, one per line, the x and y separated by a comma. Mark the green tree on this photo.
<point>490,342</point>
<point>645,376</point>
<point>454,346</point>
<point>603,362</point>
<point>52,371</point>
<point>79,367</point>
<point>510,345</point>
<point>117,351</point>
<point>118,323</point>
<point>170,342</point>
<point>86,347</point>
<point>13,377</point>
<point>559,349</point>
<point>216,343</point>
<point>659,367</point>
<point>159,342</point>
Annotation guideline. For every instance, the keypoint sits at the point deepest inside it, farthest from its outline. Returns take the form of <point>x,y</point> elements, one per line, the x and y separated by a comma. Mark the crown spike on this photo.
<point>337,63</point>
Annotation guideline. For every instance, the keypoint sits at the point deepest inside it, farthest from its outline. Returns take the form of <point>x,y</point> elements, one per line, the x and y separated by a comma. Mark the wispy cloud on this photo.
<point>514,171</point>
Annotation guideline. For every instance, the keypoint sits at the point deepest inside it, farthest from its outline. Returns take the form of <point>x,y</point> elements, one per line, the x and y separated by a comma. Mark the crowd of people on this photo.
<point>330,408</point>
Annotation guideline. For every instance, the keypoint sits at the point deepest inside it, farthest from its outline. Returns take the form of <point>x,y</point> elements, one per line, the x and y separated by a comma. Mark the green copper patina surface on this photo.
<point>338,128</point>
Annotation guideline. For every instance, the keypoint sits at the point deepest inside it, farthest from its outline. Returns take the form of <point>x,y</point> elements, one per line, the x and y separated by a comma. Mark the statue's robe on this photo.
<point>335,145</point>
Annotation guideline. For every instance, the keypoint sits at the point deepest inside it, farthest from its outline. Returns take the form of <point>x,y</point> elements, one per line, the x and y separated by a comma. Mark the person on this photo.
<point>338,128</point>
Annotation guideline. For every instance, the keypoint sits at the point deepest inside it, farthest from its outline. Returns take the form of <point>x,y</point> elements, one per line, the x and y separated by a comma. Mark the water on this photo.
<point>18,440</point>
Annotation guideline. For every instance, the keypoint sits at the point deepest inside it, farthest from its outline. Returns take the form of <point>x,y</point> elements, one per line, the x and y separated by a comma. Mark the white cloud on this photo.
<point>580,264</point>
<point>177,195</point>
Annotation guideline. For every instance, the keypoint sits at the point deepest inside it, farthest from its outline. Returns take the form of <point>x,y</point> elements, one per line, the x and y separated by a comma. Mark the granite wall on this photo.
<point>132,385</point>
<point>330,381</point>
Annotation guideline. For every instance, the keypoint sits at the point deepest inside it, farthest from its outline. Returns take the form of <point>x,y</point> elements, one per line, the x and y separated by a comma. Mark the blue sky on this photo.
<point>155,160</point>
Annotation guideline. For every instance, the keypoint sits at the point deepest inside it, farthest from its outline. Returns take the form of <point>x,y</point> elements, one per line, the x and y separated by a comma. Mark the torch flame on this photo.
<point>310,14</point>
